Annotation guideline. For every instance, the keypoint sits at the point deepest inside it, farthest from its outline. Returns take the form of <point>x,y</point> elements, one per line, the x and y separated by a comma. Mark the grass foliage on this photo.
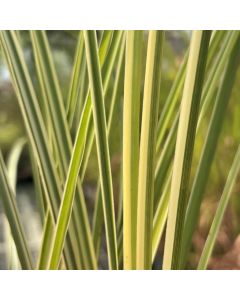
<point>159,188</point>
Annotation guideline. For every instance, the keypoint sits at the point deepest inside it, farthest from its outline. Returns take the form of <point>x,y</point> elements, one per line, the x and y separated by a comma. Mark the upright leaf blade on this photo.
<point>184,146</point>
<point>207,155</point>
<point>117,93</point>
<point>147,149</point>
<point>47,239</point>
<point>131,130</point>
<point>100,127</point>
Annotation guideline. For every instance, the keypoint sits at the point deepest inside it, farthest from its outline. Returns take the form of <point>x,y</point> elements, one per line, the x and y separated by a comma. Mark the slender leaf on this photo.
<point>33,121</point>
<point>99,117</point>
<point>12,167</point>
<point>212,235</point>
<point>131,130</point>
<point>166,155</point>
<point>46,245</point>
<point>64,147</point>
<point>9,204</point>
<point>107,69</point>
<point>117,93</point>
<point>184,146</point>
<point>147,149</point>
<point>207,155</point>
<point>75,80</point>
<point>76,84</point>
<point>69,190</point>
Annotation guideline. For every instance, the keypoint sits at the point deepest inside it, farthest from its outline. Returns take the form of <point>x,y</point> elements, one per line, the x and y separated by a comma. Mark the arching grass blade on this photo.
<point>9,204</point>
<point>212,235</point>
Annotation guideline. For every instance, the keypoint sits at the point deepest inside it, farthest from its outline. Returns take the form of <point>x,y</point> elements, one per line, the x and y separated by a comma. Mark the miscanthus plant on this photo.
<point>158,186</point>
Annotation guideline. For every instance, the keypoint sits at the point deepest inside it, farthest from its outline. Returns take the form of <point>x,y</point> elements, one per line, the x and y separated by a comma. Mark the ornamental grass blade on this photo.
<point>12,167</point>
<point>108,61</point>
<point>68,197</point>
<point>54,99</point>
<point>209,148</point>
<point>164,123</point>
<point>160,217</point>
<point>212,235</point>
<point>100,127</point>
<point>147,149</point>
<point>77,80</point>
<point>216,71</point>
<point>12,161</point>
<point>41,197</point>
<point>75,83</point>
<point>9,203</point>
<point>177,86</point>
<point>30,111</point>
<point>46,244</point>
<point>166,155</point>
<point>116,96</point>
<point>131,136</point>
<point>210,86</point>
<point>184,146</point>
<point>79,229</point>
<point>69,191</point>
<point>107,65</point>
<point>34,124</point>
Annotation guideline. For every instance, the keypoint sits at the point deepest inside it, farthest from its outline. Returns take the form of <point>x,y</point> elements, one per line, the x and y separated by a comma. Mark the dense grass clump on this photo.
<point>169,133</point>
